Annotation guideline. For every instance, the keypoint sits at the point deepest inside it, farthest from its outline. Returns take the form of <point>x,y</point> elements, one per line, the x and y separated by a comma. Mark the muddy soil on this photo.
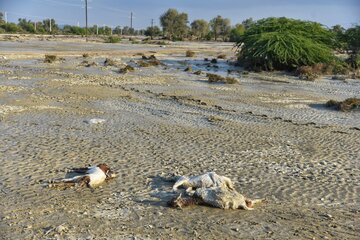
<point>270,133</point>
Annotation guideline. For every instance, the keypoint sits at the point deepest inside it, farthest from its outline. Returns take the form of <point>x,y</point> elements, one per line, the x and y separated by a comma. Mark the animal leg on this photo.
<point>243,206</point>
<point>84,181</point>
<point>178,184</point>
<point>228,183</point>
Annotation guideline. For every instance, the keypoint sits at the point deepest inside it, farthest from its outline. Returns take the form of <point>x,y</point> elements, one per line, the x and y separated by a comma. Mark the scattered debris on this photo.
<point>221,56</point>
<point>198,72</point>
<point>86,55</point>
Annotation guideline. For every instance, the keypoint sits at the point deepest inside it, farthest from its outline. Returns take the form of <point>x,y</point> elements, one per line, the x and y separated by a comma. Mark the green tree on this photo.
<point>282,43</point>
<point>174,24</point>
<point>153,31</point>
<point>236,33</point>
<point>54,27</point>
<point>248,22</point>
<point>220,27</point>
<point>10,28</point>
<point>352,38</point>
<point>75,30</point>
<point>1,18</point>
<point>200,29</point>
<point>26,25</point>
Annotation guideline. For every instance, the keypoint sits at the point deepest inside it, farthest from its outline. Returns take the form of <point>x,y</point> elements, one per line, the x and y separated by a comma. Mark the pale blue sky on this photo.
<point>117,12</point>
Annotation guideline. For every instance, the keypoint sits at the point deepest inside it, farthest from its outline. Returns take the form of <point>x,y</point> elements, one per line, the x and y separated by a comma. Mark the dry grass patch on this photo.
<point>190,53</point>
<point>347,105</point>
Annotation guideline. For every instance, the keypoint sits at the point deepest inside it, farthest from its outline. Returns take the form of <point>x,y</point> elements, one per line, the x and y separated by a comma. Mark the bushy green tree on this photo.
<point>282,43</point>
<point>352,38</point>
<point>26,25</point>
<point>54,26</point>
<point>1,18</point>
<point>220,27</point>
<point>174,24</point>
<point>236,33</point>
<point>152,31</point>
<point>75,30</point>
<point>10,28</point>
<point>200,29</point>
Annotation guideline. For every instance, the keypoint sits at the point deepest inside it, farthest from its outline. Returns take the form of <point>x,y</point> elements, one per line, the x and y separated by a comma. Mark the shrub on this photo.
<point>212,78</point>
<point>50,58</point>
<point>126,69</point>
<point>214,60</point>
<point>346,105</point>
<point>113,39</point>
<point>188,69</point>
<point>198,72</point>
<point>282,43</point>
<point>110,62</point>
<point>190,53</point>
<point>85,55</point>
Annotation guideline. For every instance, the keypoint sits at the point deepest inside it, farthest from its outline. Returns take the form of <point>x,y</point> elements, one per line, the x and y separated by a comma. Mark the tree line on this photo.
<point>174,26</point>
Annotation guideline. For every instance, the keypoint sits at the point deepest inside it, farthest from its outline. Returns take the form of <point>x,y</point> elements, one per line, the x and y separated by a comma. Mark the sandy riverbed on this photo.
<point>271,134</point>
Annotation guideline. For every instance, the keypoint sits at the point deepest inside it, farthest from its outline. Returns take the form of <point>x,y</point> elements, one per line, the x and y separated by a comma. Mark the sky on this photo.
<point>117,12</point>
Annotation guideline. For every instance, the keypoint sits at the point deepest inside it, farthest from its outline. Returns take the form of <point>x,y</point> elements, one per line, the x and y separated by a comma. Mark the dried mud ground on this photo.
<point>271,134</point>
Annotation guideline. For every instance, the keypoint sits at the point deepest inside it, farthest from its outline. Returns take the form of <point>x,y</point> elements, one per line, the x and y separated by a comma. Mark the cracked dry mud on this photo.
<point>274,139</point>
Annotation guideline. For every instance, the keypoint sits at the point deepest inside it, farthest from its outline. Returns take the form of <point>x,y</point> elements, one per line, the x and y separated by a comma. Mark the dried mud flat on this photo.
<point>270,134</point>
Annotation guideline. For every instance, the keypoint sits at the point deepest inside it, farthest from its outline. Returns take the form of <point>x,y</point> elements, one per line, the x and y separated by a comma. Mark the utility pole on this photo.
<point>86,19</point>
<point>97,29</point>
<point>35,25</point>
<point>131,20</point>
<point>50,25</point>
<point>152,23</point>
<point>5,17</point>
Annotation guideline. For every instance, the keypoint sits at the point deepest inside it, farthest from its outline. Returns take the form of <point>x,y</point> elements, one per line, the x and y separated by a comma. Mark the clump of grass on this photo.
<point>151,57</point>
<point>231,80</point>
<point>113,39</point>
<point>127,69</point>
<point>212,78</point>
<point>346,105</point>
<point>86,55</point>
<point>214,60</point>
<point>110,62</point>
<point>87,63</point>
<point>214,119</point>
<point>50,58</point>
<point>149,63</point>
<point>190,53</point>
<point>198,72</point>
<point>339,77</point>
<point>188,69</point>
<point>221,56</point>
<point>307,73</point>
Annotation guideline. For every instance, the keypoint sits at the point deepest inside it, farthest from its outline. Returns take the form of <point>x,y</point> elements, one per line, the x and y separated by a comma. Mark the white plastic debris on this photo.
<point>95,121</point>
